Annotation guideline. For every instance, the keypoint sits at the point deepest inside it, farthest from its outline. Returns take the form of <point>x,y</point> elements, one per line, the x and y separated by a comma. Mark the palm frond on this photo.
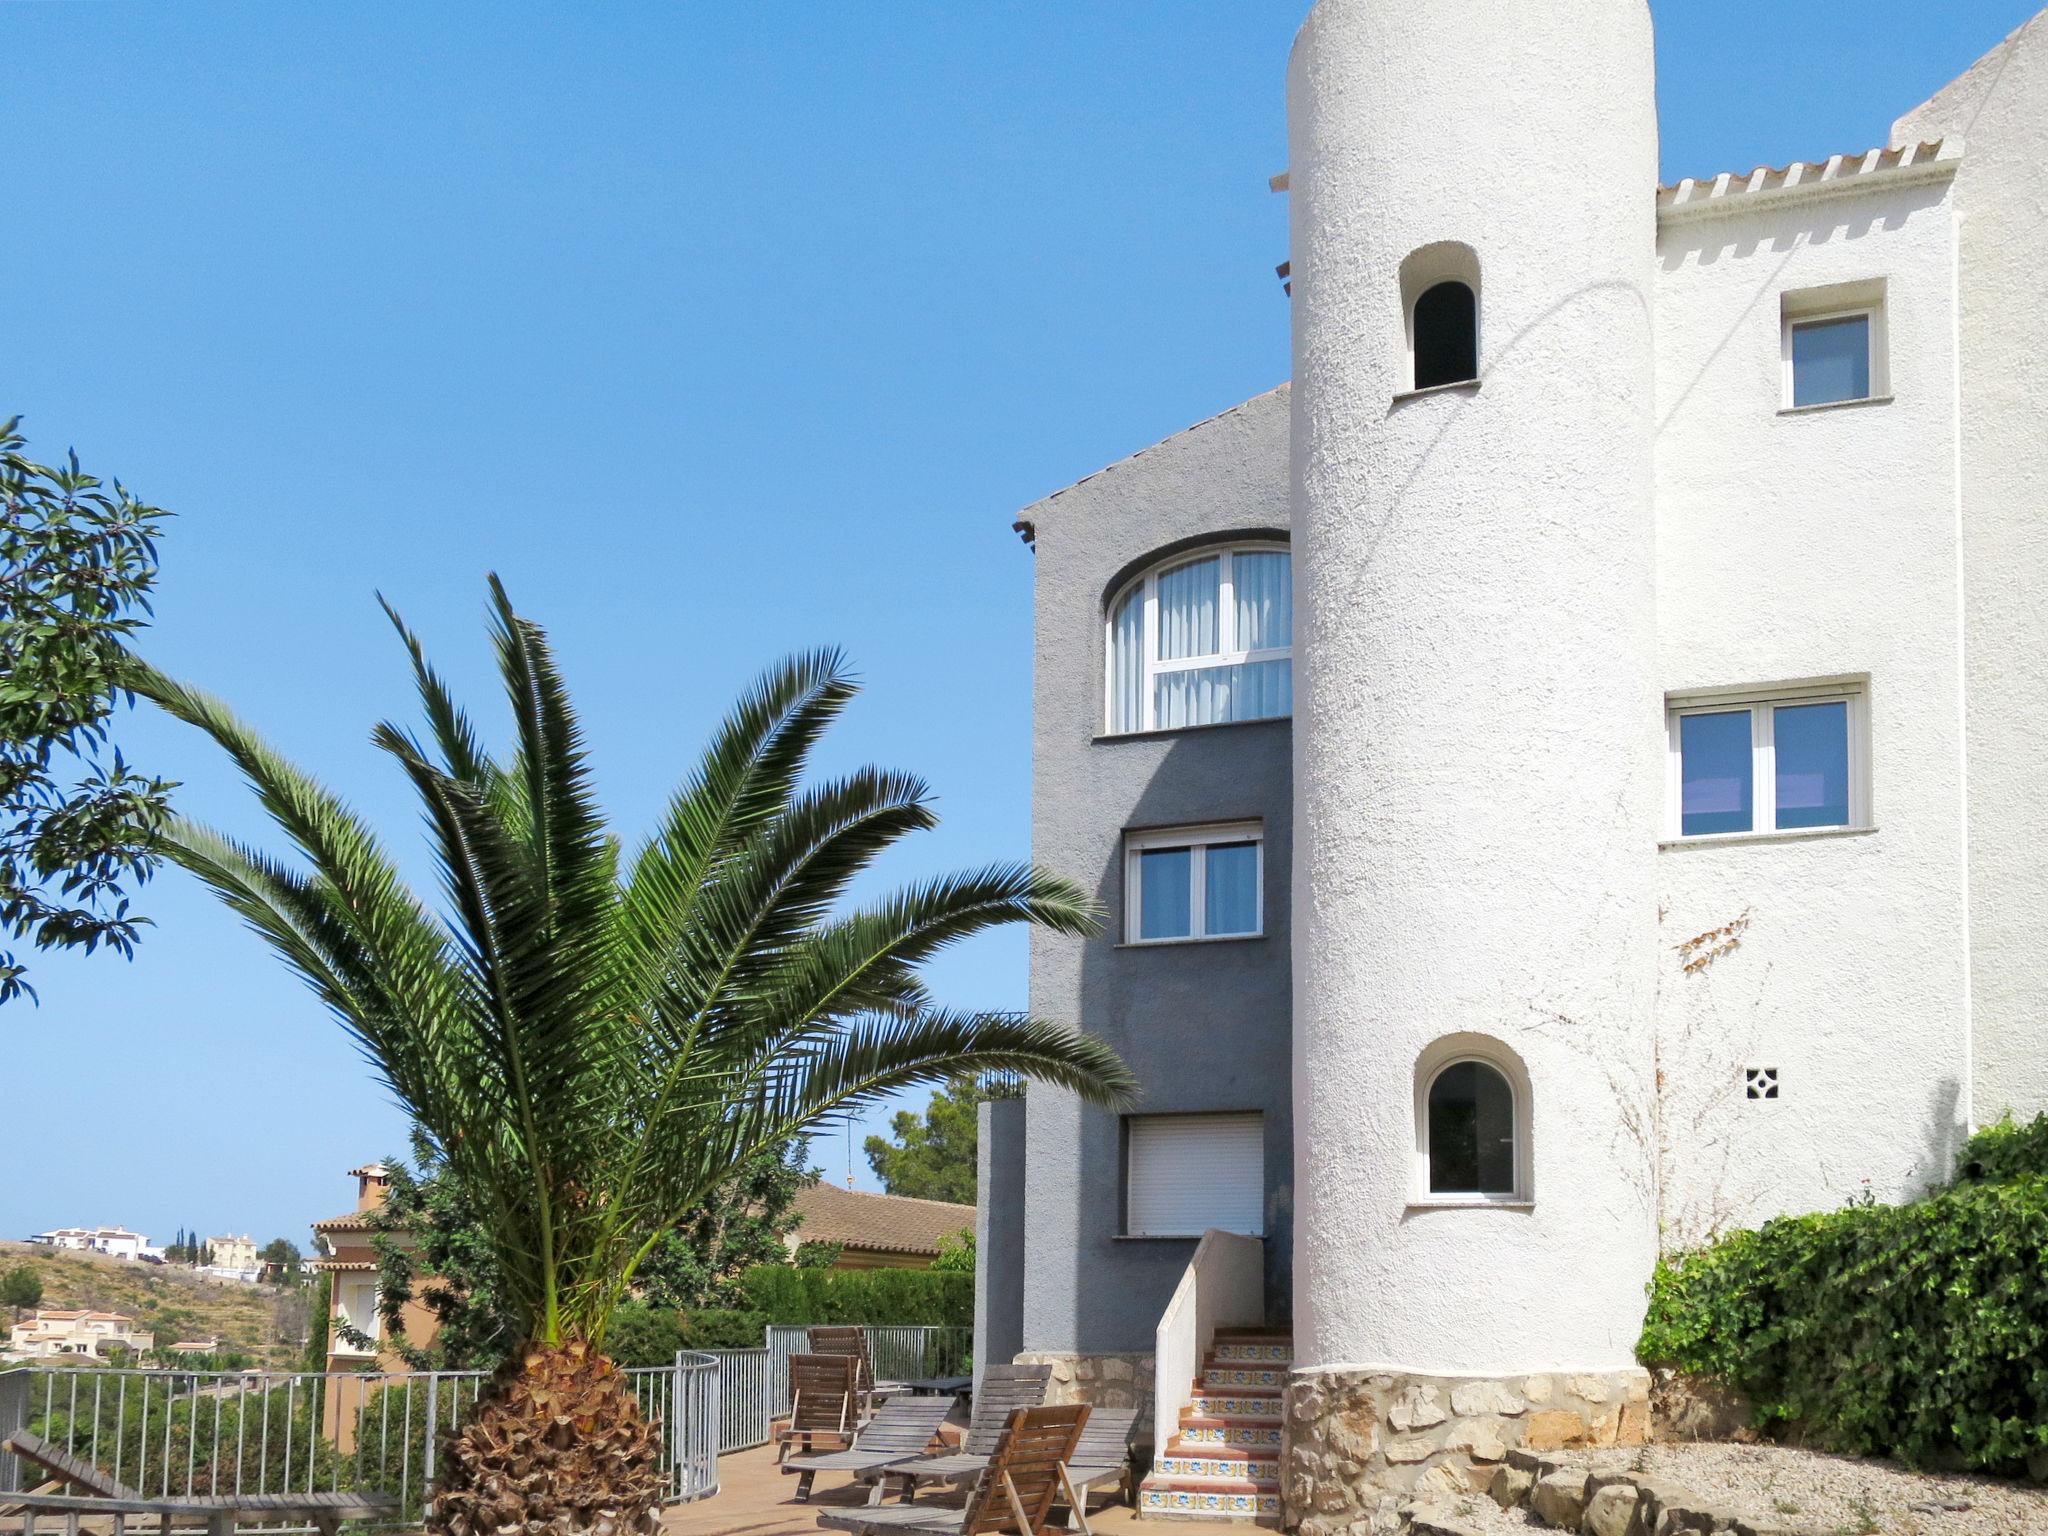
<point>591,1052</point>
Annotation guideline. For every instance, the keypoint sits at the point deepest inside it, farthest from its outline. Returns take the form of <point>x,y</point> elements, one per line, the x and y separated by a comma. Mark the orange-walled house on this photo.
<point>351,1266</point>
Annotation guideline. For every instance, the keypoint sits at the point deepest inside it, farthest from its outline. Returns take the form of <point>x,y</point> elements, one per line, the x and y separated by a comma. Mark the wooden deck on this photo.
<point>755,1498</point>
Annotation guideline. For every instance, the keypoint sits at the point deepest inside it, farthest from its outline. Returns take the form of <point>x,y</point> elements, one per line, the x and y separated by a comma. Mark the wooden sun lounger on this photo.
<point>218,1512</point>
<point>822,1409</point>
<point>1023,1478</point>
<point>901,1429</point>
<point>1103,1456</point>
<point>1003,1390</point>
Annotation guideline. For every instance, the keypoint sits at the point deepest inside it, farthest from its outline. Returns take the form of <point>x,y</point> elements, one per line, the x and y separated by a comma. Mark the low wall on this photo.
<point>1101,1381</point>
<point>1357,1440</point>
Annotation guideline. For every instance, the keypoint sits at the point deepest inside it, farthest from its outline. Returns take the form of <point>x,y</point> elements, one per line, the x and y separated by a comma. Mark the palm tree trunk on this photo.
<point>557,1446</point>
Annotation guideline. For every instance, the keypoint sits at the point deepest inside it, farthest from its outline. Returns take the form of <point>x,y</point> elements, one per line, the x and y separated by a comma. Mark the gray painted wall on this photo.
<point>1204,1026</point>
<point>999,1233</point>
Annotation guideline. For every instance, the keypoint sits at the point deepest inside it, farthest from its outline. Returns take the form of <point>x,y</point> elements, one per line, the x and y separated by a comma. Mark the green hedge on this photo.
<point>644,1335</point>
<point>2006,1151</point>
<point>875,1296</point>
<point>1918,1331</point>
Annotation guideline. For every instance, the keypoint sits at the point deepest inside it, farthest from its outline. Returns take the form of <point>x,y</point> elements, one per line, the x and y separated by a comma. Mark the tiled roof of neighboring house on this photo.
<point>354,1221</point>
<point>887,1223</point>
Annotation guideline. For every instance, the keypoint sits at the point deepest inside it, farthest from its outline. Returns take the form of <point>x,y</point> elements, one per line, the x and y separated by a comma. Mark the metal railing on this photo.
<point>902,1353</point>
<point>171,1434</point>
<point>750,1394</point>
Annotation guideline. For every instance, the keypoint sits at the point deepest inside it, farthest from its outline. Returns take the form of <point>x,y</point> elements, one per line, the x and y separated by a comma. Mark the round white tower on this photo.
<point>1477,736</point>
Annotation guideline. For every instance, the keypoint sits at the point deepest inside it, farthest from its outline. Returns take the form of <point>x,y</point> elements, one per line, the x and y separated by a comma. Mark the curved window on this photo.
<point>1446,335</point>
<point>1204,640</point>
<point>1471,1131</point>
<point>1472,1143</point>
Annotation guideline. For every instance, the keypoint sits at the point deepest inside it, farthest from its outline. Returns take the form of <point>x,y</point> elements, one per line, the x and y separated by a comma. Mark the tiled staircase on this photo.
<point>1224,1464</point>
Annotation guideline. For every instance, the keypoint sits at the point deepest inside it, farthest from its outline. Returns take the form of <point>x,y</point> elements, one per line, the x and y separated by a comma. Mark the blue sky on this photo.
<point>719,331</point>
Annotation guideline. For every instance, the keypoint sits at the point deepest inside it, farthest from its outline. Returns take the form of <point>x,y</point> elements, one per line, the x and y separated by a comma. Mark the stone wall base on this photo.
<point>1357,1443</point>
<point>1101,1381</point>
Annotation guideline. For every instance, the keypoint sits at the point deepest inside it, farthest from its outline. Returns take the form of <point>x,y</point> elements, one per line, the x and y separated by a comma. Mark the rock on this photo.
<point>1417,1408</point>
<point>1553,1429</point>
<point>1693,1408</point>
<point>1439,1520</point>
<point>1411,1448</point>
<point>1116,1368</point>
<point>1560,1499</point>
<point>1510,1486</point>
<point>1682,1519</point>
<point>1350,1440</point>
<point>1440,1482</point>
<point>1304,1402</point>
<point>1478,1439</point>
<point>1537,1389</point>
<point>1471,1397</point>
<point>1612,1512</point>
<point>1635,1424</point>
<point>1591,1388</point>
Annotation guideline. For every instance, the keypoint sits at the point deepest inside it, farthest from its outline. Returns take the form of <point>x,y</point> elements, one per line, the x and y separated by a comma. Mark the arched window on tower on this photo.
<point>1440,314</point>
<point>1471,1131</point>
<point>1446,335</point>
<point>1471,1123</point>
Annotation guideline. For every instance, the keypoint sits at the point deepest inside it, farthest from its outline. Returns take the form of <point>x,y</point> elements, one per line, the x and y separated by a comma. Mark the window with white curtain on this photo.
<point>1204,640</point>
<point>1187,883</point>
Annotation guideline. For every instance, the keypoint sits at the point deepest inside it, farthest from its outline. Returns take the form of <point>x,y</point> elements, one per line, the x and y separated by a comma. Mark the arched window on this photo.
<point>1440,314</point>
<point>1204,639</point>
<point>1472,1123</point>
<point>1446,335</point>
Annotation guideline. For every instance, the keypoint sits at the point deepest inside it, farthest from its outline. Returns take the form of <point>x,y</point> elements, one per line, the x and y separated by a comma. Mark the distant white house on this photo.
<point>115,1242</point>
<point>233,1258</point>
<point>48,1333</point>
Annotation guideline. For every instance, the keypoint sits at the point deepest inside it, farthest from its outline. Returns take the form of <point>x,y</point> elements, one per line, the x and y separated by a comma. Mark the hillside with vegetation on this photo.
<point>266,1322</point>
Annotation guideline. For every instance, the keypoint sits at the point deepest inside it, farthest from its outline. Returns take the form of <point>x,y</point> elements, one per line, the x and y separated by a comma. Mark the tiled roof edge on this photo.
<point>1732,192</point>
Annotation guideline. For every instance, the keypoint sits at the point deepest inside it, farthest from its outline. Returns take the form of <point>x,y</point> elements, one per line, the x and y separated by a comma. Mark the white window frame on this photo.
<point>1847,301</point>
<point>348,1288</point>
<point>1197,840</point>
<point>1228,653</point>
<point>1762,704</point>
<point>1439,1058</point>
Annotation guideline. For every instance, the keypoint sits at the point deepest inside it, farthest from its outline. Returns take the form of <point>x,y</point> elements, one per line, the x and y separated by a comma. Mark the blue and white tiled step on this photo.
<point>1224,1376</point>
<point>1244,1406</point>
<point>1217,1433</point>
<point>1224,1463</point>
<point>1252,1351</point>
<point>1189,1500</point>
<point>1189,1464</point>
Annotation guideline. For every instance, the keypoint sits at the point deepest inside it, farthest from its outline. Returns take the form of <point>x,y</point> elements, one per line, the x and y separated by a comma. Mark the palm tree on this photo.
<point>590,1045</point>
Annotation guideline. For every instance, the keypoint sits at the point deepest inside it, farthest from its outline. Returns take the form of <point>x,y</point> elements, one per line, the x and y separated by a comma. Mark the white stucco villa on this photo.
<point>115,1242</point>
<point>1624,821</point>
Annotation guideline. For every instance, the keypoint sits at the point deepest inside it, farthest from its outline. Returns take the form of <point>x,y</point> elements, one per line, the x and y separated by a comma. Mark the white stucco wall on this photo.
<point>1477,763</point>
<point>1793,546</point>
<point>2000,110</point>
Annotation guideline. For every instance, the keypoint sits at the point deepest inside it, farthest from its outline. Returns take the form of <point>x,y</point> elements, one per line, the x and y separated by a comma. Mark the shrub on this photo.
<point>874,1296</point>
<point>723,1328</point>
<point>2005,1151</point>
<point>644,1335</point>
<point>1918,1331</point>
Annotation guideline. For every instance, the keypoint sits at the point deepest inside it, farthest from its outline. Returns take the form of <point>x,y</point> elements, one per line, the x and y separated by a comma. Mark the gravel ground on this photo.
<point>1826,1495</point>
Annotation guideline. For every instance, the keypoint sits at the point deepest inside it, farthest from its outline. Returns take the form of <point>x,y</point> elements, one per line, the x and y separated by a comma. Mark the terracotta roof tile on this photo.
<point>888,1223</point>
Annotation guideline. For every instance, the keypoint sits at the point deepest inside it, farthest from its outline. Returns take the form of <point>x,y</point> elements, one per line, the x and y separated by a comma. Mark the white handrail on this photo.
<point>1224,1286</point>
